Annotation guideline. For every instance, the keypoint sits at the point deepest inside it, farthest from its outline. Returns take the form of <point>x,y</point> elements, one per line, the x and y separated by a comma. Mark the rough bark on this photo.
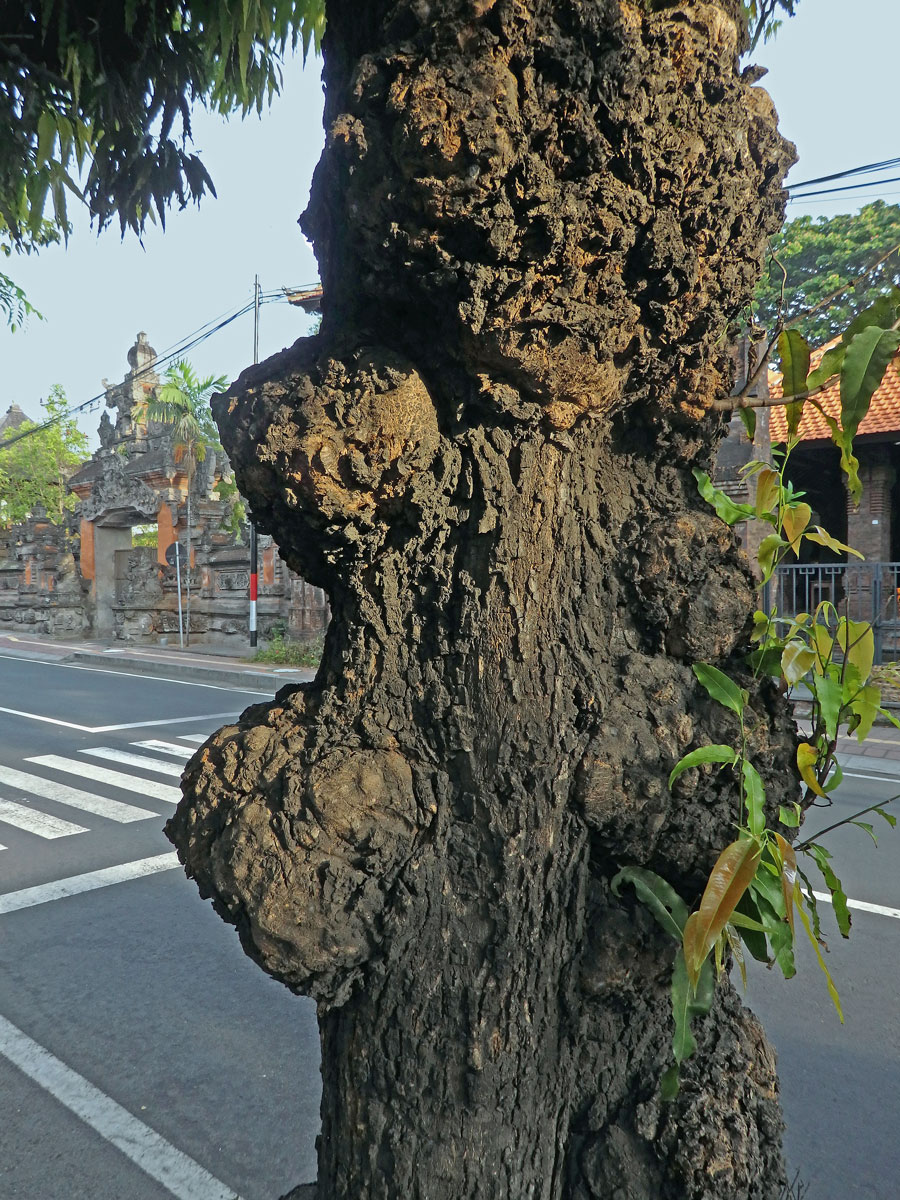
<point>535,224</point>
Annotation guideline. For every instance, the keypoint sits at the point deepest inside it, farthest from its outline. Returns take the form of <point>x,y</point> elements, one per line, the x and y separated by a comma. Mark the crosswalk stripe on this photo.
<point>166,747</point>
<point>61,793</point>
<point>128,783</point>
<point>160,765</point>
<point>32,820</point>
<point>194,737</point>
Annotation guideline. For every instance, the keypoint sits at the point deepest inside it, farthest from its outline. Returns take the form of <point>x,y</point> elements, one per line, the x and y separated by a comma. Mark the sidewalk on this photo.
<point>225,666</point>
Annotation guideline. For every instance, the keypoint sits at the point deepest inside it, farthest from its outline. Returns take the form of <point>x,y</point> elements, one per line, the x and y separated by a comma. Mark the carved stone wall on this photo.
<point>85,579</point>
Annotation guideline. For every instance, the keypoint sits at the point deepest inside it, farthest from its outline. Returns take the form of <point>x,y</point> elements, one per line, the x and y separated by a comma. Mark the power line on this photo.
<point>885,165</point>
<point>850,187</point>
<point>181,347</point>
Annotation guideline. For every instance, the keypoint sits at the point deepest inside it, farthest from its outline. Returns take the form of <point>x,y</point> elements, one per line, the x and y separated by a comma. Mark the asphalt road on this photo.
<point>141,1054</point>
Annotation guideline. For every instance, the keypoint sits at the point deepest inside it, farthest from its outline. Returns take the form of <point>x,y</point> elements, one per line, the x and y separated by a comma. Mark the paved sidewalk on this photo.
<point>226,666</point>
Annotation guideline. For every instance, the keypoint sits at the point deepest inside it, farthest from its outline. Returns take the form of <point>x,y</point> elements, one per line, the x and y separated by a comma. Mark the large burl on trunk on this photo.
<point>535,222</point>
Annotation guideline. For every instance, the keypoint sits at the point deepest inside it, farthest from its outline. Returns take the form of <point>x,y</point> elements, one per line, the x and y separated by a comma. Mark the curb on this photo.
<point>267,682</point>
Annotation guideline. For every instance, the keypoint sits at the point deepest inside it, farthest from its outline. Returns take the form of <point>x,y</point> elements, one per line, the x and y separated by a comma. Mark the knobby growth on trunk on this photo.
<point>535,222</point>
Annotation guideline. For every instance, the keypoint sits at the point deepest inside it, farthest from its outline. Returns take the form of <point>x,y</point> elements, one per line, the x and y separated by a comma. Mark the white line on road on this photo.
<point>874,778</point>
<point>61,793</point>
<point>32,820</point>
<point>147,678</point>
<point>117,779</point>
<point>863,906</point>
<point>166,747</point>
<point>158,1158</point>
<point>194,737</point>
<point>160,765</point>
<point>17,712</point>
<point>59,889</point>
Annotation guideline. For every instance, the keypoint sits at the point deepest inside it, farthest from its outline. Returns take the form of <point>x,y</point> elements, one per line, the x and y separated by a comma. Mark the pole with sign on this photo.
<point>173,558</point>
<point>254,576</point>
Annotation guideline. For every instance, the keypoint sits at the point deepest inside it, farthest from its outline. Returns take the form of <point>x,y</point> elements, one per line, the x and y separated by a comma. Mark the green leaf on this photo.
<point>725,507</point>
<point>867,828</point>
<point>769,901</point>
<point>794,520</point>
<point>754,798</point>
<point>832,990</point>
<point>834,885</point>
<point>748,420</point>
<point>720,687</point>
<point>865,362</point>
<point>790,816</point>
<point>766,554</point>
<point>659,896</point>
<point>687,1003</point>
<point>705,754</point>
<point>793,350</point>
<point>882,314</point>
<point>829,693</point>
<point>889,817</point>
<point>829,364</point>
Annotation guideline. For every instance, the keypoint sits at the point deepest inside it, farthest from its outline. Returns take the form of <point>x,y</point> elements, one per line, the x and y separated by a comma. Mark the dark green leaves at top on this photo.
<point>720,687</point>
<point>865,362</point>
<point>829,364</point>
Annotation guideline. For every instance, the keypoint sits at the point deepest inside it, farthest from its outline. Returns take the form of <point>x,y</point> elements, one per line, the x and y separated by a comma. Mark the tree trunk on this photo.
<point>536,223</point>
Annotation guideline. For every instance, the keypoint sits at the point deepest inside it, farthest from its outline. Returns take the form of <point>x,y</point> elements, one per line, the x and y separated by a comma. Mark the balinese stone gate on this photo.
<point>88,579</point>
<point>535,221</point>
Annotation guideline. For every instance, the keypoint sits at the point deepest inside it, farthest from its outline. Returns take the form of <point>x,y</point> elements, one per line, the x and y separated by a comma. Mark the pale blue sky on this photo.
<point>832,76</point>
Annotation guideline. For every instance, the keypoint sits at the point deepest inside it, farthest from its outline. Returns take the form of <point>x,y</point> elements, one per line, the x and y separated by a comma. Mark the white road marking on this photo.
<point>113,810</point>
<point>17,712</point>
<point>32,820</point>
<point>194,737</point>
<point>117,779</point>
<point>59,889</point>
<point>863,906</point>
<point>874,778</point>
<point>158,1158</point>
<point>216,687</point>
<point>166,747</point>
<point>159,765</point>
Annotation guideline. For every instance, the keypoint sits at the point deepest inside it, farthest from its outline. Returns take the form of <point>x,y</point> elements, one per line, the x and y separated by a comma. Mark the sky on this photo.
<point>831,74</point>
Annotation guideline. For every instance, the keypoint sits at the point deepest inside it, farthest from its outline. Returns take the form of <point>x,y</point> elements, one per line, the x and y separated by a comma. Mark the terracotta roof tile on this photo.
<point>883,415</point>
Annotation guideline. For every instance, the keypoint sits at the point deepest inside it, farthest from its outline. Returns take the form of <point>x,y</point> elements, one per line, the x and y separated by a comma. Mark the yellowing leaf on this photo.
<point>793,523</point>
<point>766,491</point>
<point>796,659</point>
<point>807,757</point>
<point>768,548</point>
<point>824,644</point>
<point>857,641</point>
<point>823,538</point>
<point>728,880</point>
<point>832,990</point>
<point>788,875</point>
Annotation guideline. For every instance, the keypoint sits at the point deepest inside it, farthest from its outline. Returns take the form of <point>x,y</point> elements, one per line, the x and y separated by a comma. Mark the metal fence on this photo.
<point>862,591</point>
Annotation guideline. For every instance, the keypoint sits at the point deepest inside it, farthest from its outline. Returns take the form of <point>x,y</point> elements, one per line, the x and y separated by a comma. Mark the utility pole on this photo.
<point>254,572</point>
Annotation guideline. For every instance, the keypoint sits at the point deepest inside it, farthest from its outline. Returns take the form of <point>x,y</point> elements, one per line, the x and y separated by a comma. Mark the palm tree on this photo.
<point>183,403</point>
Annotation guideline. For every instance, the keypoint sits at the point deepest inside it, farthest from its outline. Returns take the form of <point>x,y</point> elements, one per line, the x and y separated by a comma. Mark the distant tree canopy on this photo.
<point>820,256</point>
<point>35,468</point>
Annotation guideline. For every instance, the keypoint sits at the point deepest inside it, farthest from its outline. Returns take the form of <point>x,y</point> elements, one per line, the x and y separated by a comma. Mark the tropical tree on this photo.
<point>37,462</point>
<point>183,403</point>
<point>95,104</point>
<point>822,272</point>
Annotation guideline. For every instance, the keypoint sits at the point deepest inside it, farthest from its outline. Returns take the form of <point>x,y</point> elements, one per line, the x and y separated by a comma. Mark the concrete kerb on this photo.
<point>241,678</point>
